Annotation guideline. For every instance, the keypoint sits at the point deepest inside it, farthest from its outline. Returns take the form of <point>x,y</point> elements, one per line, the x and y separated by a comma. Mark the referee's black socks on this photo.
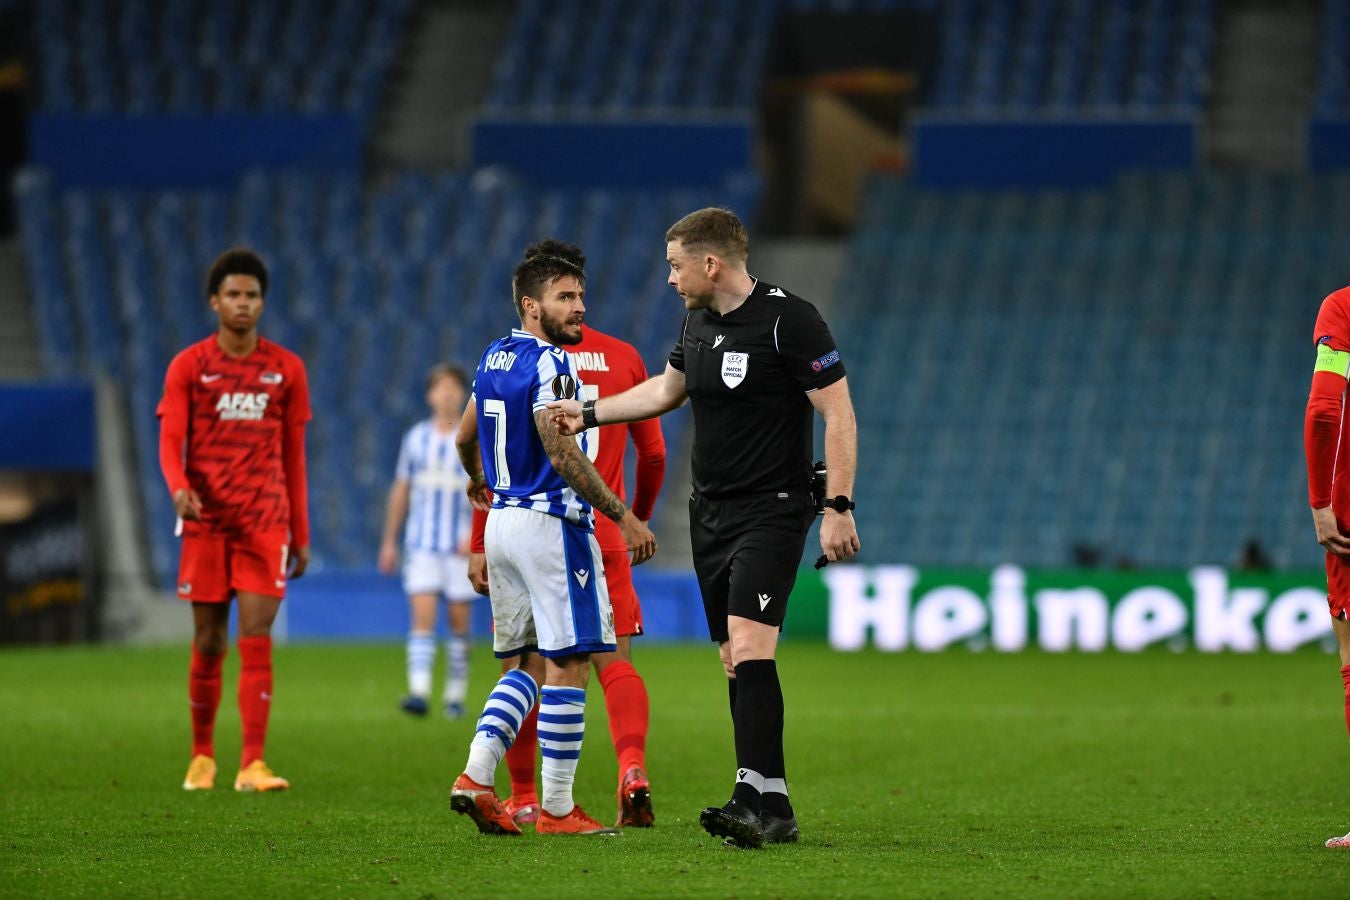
<point>757,700</point>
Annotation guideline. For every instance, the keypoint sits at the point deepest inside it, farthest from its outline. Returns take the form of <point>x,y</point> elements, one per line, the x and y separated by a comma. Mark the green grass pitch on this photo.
<point>951,775</point>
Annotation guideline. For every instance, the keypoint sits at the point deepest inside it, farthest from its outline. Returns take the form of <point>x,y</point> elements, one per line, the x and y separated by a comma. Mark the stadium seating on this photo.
<point>225,57</point>
<point>1060,57</point>
<point>1037,57</point>
<point>369,286</point>
<point>1125,369</point>
<point>612,57</point>
<point>1333,76</point>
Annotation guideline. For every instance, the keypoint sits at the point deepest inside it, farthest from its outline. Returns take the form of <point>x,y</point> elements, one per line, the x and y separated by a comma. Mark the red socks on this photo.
<point>522,756</point>
<point>626,702</point>
<point>204,700</point>
<point>255,694</point>
<point>1345,679</point>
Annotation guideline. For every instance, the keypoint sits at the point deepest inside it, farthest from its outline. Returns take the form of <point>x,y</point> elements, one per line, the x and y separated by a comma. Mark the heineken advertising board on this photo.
<point>1009,609</point>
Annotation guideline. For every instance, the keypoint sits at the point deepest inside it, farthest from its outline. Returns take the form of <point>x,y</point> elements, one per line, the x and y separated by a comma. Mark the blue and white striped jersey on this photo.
<point>518,375</point>
<point>439,515</point>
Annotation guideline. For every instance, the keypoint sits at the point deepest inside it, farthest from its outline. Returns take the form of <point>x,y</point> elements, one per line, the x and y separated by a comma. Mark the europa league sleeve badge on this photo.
<point>564,386</point>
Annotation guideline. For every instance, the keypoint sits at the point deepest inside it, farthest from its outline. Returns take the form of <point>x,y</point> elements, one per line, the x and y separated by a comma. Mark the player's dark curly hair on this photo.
<point>554,247</point>
<point>447,370</point>
<point>236,261</point>
<point>545,262</point>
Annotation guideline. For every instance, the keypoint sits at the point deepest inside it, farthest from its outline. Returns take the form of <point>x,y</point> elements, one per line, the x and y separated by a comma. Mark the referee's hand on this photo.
<point>637,537</point>
<point>839,535</point>
<point>567,417</point>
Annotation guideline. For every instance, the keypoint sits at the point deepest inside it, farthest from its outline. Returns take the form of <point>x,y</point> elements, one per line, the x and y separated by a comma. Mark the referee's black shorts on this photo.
<point>746,553</point>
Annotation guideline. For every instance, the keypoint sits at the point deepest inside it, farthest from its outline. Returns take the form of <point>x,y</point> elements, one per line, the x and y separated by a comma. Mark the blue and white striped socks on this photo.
<point>507,706</point>
<point>562,725</point>
<point>456,668</point>
<point>421,656</point>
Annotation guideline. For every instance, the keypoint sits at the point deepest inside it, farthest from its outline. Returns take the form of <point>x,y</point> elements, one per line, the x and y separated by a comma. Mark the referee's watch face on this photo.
<point>689,276</point>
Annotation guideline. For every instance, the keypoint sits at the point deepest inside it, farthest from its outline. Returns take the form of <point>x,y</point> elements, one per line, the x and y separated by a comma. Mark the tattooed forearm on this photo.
<point>576,469</point>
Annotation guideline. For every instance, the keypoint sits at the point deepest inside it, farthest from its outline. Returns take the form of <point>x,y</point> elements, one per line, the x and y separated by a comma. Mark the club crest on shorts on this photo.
<point>734,367</point>
<point>564,386</point>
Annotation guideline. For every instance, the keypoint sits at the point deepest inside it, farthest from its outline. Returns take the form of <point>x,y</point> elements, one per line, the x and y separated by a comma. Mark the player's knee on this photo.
<point>209,641</point>
<point>255,629</point>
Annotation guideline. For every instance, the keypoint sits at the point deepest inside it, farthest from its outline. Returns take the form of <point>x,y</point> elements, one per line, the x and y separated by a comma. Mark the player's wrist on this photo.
<point>588,417</point>
<point>478,478</point>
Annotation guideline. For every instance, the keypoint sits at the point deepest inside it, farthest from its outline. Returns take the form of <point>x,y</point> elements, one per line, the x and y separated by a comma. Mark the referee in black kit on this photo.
<point>754,360</point>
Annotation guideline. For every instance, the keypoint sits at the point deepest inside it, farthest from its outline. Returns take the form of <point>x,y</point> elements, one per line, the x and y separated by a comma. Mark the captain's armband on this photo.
<point>1335,361</point>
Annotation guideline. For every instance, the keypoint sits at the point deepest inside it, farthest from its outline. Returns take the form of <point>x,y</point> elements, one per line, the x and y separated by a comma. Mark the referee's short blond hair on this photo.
<point>711,230</point>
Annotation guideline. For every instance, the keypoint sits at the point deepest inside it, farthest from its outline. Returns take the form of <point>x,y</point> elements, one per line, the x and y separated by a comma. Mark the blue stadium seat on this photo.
<point>1073,423</point>
<point>117,282</point>
<point>140,57</point>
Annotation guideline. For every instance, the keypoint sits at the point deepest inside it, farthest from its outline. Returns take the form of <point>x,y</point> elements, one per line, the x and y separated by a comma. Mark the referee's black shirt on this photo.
<point>747,374</point>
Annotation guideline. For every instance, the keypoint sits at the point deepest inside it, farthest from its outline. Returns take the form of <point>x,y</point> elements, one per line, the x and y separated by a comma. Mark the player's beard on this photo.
<point>559,332</point>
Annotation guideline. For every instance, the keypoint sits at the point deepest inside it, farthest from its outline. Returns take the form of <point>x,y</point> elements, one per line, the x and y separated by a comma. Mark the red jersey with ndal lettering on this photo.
<point>606,366</point>
<point>235,413</point>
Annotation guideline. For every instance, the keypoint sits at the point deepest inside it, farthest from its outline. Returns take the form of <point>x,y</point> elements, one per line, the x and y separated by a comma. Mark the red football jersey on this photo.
<point>237,412</point>
<point>606,366</point>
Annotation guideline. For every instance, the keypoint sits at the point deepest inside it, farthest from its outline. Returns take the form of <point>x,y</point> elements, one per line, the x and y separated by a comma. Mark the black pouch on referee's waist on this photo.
<point>818,486</point>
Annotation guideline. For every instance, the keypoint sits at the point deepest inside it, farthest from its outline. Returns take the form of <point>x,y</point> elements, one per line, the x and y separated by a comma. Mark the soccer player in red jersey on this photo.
<point>605,365</point>
<point>232,449</point>
<point>1327,449</point>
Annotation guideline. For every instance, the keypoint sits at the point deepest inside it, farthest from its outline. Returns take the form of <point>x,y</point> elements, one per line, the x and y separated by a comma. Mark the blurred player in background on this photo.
<point>232,449</point>
<point>1328,455</point>
<point>546,577</point>
<point>428,492</point>
<point>605,365</point>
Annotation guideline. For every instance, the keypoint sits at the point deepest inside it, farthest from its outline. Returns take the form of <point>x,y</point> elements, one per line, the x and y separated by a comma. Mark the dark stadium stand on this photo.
<point>370,287</point>
<point>1333,77</point>
<point>611,57</point>
<point>146,57</point>
<point>1123,368</point>
<point>1062,56</point>
<point>1041,56</point>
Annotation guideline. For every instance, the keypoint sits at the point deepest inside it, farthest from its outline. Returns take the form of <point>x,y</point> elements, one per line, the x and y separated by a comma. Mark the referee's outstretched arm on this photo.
<point>656,396</point>
<point>838,531</point>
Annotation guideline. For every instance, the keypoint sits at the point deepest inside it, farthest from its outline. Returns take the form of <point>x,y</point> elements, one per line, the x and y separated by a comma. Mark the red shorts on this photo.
<point>1338,586</point>
<point>619,577</point>
<point>213,568</point>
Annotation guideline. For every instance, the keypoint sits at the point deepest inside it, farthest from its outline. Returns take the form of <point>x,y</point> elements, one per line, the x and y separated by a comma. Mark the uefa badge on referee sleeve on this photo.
<point>734,368</point>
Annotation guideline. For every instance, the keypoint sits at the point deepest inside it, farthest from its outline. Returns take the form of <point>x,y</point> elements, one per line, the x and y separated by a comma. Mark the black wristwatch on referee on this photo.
<point>839,504</point>
<point>588,415</point>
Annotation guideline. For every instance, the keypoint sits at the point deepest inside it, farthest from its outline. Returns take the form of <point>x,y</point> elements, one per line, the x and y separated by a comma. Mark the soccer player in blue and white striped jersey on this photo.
<point>550,600</point>
<point>429,494</point>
